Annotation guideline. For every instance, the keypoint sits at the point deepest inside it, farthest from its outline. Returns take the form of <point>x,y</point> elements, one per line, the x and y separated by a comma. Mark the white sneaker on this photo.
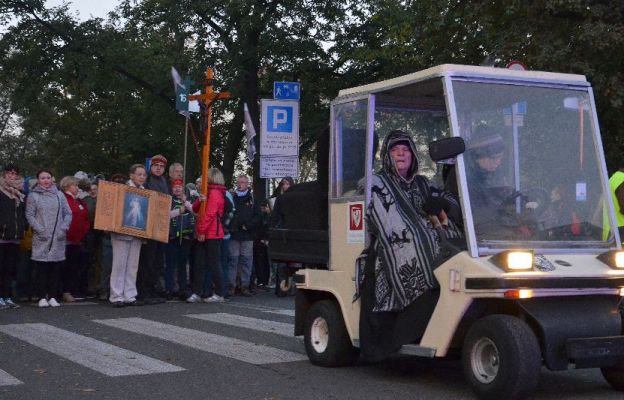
<point>43,303</point>
<point>10,303</point>
<point>3,304</point>
<point>53,303</point>
<point>194,299</point>
<point>215,298</point>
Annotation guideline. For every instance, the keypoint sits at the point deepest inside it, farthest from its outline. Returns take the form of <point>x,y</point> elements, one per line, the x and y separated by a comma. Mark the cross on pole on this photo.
<point>208,98</point>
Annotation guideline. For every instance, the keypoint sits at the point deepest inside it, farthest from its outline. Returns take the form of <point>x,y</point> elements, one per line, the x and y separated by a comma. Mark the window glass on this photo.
<point>424,126</point>
<point>349,144</point>
<point>532,166</point>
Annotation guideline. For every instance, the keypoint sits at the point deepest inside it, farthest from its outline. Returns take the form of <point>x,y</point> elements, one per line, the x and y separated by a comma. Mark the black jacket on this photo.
<point>247,218</point>
<point>12,218</point>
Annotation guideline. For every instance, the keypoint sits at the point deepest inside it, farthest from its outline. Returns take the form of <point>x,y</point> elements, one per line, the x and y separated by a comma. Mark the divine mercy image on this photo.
<point>135,211</point>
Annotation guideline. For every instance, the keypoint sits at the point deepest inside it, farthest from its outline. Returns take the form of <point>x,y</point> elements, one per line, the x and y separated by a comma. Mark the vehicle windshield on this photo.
<point>532,166</point>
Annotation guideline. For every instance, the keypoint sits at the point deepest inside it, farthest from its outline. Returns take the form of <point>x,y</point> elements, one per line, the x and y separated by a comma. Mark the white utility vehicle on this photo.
<point>537,282</point>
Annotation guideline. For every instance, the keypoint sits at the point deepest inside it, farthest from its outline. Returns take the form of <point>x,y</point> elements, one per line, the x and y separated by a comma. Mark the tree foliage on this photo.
<point>97,95</point>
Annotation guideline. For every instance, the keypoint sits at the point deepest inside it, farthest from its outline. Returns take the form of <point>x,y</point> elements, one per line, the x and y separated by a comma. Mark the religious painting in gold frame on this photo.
<point>132,211</point>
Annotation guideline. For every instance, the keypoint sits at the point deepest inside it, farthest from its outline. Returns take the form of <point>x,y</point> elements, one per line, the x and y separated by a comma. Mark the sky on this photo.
<point>87,8</point>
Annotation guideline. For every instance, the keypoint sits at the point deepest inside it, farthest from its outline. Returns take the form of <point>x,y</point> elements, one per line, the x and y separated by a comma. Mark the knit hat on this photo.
<point>159,158</point>
<point>486,142</point>
<point>177,182</point>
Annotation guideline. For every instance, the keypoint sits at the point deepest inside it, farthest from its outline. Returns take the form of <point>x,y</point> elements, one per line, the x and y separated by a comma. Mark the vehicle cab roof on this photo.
<point>400,86</point>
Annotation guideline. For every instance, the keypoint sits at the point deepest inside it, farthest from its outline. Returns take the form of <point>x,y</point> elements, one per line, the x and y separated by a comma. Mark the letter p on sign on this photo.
<point>280,119</point>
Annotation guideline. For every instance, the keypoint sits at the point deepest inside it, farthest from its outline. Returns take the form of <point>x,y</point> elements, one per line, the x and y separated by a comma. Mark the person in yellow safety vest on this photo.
<point>616,183</point>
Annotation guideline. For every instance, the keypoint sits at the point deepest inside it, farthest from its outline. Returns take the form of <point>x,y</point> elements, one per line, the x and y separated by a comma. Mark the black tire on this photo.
<point>333,348</point>
<point>501,358</point>
<point>615,376</point>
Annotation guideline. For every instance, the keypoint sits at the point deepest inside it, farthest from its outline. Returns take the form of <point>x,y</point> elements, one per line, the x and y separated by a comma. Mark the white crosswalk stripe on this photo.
<point>8,380</point>
<point>221,345</point>
<point>263,325</point>
<point>99,356</point>
<point>290,313</point>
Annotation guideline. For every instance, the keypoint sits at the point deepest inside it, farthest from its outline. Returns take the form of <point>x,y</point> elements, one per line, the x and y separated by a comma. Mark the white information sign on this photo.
<point>279,167</point>
<point>355,223</point>
<point>279,133</point>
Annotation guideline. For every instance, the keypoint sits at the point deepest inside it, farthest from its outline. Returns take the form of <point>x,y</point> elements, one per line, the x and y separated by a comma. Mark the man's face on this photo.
<point>93,191</point>
<point>11,175</point>
<point>177,172</point>
<point>157,169</point>
<point>242,183</point>
<point>401,154</point>
<point>490,163</point>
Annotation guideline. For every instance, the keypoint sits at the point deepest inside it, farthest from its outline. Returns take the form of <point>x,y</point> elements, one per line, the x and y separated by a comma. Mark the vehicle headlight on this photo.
<point>613,258</point>
<point>514,260</point>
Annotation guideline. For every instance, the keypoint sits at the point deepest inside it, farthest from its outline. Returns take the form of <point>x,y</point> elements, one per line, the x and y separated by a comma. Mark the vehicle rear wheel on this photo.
<point>283,282</point>
<point>615,376</point>
<point>326,338</point>
<point>501,358</point>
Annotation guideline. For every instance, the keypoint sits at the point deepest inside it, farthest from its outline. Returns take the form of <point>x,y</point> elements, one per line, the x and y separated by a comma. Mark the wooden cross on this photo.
<point>208,98</point>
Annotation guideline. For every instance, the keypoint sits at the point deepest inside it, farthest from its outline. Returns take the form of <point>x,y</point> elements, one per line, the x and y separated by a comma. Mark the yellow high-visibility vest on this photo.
<point>614,182</point>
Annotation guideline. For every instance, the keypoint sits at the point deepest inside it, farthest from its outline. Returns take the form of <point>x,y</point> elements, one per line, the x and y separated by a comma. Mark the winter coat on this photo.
<point>12,218</point>
<point>157,183</point>
<point>246,218</point>
<point>80,223</point>
<point>181,226</point>
<point>49,215</point>
<point>211,225</point>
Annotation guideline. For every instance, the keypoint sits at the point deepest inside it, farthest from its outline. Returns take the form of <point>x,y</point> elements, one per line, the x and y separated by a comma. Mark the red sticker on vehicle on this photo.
<point>356,217</point>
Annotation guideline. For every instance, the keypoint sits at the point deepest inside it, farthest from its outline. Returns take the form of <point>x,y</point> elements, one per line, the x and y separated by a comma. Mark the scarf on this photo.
<point>13,189</point>
<point>406,242</point>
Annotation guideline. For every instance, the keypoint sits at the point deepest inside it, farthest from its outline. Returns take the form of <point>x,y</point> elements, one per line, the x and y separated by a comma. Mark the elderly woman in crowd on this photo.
<point>49,216</point>
<point>78,229</point>
<point>405,218</point>
<point>13,219</point>
<point>126,253</point>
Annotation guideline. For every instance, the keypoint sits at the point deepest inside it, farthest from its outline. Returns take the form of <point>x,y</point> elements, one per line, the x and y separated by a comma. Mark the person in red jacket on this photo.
<point>209,232</point>
<point>75,260</point>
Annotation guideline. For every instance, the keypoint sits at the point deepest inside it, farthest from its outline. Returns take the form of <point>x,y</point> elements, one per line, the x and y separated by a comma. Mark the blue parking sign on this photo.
<point>279,128</point>
<point>279,119</point>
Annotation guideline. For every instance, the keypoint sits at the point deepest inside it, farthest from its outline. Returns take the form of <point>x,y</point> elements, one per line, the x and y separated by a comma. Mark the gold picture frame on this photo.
<point>132,211</point>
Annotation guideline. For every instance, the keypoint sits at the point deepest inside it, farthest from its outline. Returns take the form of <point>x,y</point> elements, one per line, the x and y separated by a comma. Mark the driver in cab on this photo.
<point>492,197</point>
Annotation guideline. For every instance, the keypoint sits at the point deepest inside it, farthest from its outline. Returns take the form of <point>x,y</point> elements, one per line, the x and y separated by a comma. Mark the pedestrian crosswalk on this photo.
<point>8,380</point>
<point>222,345</point>
<point>262,325</point>
<point>113,360</point>
<point>94,354</point>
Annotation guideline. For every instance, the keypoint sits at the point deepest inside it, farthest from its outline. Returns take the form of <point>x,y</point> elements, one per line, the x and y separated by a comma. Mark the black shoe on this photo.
<point>150,301</point>
<point>159,300</point>
<point>135,303</point>
<point>118,304</point>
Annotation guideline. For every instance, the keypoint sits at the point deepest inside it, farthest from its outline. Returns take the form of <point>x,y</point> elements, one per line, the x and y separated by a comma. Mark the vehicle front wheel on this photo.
<point>501,358</point>
<point>326,338</point>
<point>615,376</point>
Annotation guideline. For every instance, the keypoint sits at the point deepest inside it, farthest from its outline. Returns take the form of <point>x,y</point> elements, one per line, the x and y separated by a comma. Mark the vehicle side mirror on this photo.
<point>446,148</point>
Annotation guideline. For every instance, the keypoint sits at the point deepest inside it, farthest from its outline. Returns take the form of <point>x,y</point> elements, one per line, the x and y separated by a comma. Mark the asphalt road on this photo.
<point>243,349</point>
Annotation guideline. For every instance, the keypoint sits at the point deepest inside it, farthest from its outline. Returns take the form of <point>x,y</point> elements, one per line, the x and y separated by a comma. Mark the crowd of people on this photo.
<point>51,254</point>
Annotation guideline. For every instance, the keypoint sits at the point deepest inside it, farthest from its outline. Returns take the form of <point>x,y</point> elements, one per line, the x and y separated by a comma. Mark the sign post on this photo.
<point>279,139</point>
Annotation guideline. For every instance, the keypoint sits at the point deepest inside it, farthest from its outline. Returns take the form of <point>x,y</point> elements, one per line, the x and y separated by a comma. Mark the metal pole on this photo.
<point>186,124</point>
